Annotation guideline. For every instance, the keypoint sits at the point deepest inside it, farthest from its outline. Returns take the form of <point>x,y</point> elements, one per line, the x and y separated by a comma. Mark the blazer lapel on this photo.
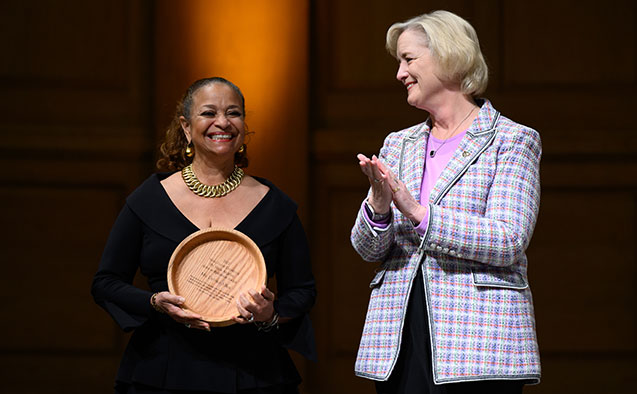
<point>412,159</point>
<point>478,138</point>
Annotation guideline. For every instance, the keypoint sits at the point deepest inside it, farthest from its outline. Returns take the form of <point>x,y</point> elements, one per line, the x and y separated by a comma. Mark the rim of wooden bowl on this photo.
<point>201,237</point>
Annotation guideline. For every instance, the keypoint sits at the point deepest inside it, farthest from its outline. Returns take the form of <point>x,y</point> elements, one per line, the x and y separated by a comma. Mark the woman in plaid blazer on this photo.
<point>451,209</point>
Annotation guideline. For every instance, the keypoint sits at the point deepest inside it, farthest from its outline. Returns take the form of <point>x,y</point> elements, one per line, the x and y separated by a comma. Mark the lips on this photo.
<point>409,85</point>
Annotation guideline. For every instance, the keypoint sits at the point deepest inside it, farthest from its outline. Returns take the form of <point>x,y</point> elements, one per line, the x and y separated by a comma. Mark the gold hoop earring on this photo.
<point>189,151</point>
<point>242,149</point>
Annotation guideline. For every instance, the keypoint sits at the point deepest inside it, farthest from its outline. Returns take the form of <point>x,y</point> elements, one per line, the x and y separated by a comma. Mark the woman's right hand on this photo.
<point>381,196</point>
<point>170,304</point>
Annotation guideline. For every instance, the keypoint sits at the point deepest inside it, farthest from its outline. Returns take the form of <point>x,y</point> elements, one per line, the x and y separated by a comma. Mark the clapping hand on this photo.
<point>386,187</point>
<point>381,196</point>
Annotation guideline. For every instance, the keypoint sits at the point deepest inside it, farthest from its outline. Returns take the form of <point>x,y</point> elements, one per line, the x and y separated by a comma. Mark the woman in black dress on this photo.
<point>172,350</point>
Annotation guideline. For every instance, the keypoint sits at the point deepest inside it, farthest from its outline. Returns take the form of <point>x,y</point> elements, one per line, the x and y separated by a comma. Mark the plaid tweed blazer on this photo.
<point>482,212</point>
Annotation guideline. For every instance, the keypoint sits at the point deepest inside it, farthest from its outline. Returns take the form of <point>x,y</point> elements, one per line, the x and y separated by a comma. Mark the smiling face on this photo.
<point>417,69</point>
<point>216,125</point>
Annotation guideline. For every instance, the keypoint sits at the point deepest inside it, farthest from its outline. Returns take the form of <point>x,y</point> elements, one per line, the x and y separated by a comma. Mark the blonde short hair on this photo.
<point>454,45</point>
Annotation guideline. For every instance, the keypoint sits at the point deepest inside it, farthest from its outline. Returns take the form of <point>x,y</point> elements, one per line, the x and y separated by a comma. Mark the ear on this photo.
<point>185,126</point>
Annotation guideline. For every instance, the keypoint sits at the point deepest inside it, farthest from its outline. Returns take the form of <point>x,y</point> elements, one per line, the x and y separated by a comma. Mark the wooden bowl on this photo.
<point>211,267</point>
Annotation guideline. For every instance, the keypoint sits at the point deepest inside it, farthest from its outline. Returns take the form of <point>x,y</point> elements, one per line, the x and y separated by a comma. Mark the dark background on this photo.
<point>87,88</point>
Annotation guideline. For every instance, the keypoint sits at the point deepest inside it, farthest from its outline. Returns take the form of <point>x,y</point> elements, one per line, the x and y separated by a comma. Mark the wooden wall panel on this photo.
<point>51,258</point>
<point>563,67</point>
<point>344,296</point>
<point>74,373</point>
<point>76,137</point>
<point>65,55</point>
<point>589,36</point>
<point>577,373</point>
<point>342,280</point>
<point>73,65</point>
<point>576,261</point>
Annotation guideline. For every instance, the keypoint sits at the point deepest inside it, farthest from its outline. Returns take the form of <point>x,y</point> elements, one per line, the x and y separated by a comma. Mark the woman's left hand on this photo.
<point>255,307</point>
<point>404,201</point>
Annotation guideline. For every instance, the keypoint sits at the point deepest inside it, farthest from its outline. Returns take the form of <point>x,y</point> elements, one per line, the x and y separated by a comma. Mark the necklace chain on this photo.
<point>433,152</point>
<point>203,190</point>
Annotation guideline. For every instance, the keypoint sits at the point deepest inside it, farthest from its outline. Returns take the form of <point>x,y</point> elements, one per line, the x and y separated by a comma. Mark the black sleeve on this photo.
<point>112,286</point>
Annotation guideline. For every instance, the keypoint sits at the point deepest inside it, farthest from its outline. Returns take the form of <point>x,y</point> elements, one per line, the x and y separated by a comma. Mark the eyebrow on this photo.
<point>214,107</point>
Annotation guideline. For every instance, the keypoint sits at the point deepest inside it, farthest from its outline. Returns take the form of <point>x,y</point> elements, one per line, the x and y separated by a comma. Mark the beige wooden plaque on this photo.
<point>211,267</point>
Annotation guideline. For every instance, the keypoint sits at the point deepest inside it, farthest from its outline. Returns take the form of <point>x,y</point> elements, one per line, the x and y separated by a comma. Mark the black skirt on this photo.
<point>413,372</point>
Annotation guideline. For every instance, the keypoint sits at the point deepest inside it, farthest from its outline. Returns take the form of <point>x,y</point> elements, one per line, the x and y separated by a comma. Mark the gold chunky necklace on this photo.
<point>213,191</point>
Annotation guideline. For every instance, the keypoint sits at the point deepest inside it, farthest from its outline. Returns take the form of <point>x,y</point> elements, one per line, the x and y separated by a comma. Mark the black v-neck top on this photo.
<point>165,354</point>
